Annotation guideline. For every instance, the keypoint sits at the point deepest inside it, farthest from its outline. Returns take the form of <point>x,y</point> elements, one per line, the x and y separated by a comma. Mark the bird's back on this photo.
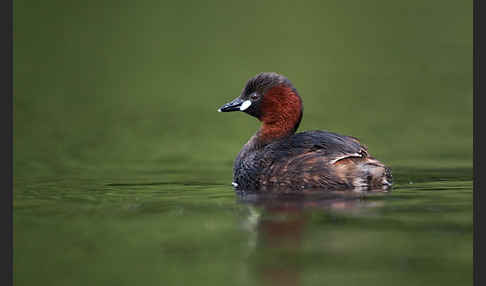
<point>307,161</point>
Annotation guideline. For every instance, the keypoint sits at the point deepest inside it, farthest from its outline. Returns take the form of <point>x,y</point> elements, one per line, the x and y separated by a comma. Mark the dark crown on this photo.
<point>264,81</point>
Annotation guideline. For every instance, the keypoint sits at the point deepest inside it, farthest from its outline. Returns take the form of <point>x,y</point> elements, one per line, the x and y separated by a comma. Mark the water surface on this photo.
<point>109,232</point>
<point>122,166</point>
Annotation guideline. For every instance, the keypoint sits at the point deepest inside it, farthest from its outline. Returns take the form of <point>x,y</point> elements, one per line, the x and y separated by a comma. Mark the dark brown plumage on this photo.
<point>276,159</point>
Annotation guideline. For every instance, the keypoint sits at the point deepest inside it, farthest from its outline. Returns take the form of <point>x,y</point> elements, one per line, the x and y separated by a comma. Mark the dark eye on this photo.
<point>254,96</point>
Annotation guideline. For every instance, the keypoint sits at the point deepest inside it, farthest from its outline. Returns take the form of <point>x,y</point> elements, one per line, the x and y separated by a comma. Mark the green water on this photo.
<point>122,166</point>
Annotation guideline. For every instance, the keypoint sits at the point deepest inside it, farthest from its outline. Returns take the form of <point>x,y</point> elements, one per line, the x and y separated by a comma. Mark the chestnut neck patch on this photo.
<point>280,113</point>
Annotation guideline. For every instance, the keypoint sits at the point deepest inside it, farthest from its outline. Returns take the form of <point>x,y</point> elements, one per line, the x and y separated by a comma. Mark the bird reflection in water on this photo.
<point>277,225</point>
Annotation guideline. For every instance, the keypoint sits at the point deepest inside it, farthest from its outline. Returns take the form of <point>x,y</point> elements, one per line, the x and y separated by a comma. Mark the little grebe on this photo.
<point>278,159</point>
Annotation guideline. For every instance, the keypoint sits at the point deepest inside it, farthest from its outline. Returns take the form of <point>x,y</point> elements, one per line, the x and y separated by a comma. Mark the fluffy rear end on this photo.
<point>364,173</point>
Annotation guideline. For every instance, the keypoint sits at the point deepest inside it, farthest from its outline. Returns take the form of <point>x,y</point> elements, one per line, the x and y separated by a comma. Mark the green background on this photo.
<point>112,83</point>
<point>119,151</point>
